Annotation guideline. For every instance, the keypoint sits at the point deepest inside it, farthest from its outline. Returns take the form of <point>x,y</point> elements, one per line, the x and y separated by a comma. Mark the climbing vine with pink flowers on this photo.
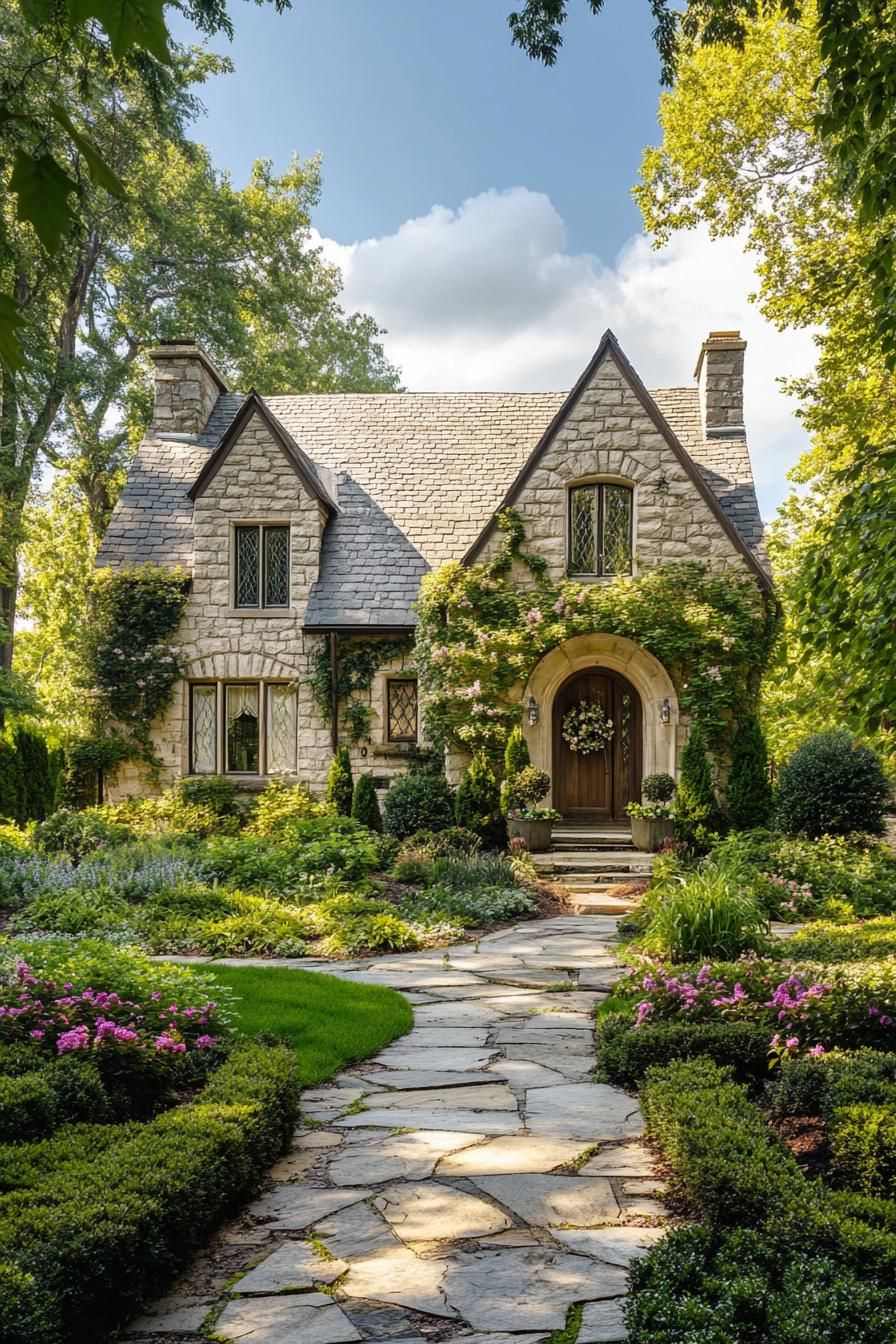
<point>482,629</point>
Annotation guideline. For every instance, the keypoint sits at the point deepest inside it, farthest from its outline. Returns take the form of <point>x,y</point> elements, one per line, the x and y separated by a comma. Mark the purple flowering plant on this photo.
<point>60,1019</point>
<point>807,1010</point>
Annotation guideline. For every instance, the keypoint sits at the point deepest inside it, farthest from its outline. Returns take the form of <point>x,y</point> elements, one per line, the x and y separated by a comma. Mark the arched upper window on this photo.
<point>600,529</point>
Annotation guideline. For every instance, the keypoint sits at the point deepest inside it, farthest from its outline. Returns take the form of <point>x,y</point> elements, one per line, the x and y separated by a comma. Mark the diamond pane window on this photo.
<point>402,707</point>
<point>583,530</point>
<point>281,730</point>
<point>600,529</point>
<point>242,729</point>
<point>276,566</point>
<point>247,567</point>
<point>205,730</point>
<point>617,530</point>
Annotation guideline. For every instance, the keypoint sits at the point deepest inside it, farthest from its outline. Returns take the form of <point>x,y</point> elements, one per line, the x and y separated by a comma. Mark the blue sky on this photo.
<point>479,204</point>
<point>421,102</point>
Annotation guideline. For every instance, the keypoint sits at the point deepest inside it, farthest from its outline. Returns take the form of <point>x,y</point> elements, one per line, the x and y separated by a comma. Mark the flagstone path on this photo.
<point>468,1184</point>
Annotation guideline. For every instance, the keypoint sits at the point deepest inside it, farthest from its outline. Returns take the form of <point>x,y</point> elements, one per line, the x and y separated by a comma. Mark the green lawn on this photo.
<point>328,1022</point>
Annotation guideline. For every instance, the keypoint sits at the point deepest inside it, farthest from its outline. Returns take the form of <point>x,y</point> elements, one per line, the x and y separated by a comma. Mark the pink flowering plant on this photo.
<point>808,1009</point>
<point>62,1018</point>
<point>482,628</point>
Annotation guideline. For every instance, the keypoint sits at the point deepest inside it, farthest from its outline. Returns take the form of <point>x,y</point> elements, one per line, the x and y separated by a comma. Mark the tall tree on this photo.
<point>185,252</point>
<point>741,153</point>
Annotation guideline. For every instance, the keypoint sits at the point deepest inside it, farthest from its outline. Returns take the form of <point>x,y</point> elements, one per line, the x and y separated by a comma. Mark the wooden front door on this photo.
<point>597,786</point>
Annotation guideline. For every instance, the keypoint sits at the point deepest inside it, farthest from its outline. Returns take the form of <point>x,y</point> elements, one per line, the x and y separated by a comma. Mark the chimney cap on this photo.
<point>719,340</point>
<point>188,348</point>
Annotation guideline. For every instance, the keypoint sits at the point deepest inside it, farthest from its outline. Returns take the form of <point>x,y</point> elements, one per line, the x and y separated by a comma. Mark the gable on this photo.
<point>609,425</point>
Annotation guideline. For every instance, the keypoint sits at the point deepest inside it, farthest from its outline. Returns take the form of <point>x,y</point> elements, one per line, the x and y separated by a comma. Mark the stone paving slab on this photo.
<point>447,1185</point>
<point>294,1265</point>
<point>312,1318</point>
<point>547,1200</point>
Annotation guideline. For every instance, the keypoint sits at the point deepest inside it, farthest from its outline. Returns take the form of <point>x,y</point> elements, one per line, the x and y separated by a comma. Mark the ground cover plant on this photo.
<point>196,871</point>
<point>767,1076</point>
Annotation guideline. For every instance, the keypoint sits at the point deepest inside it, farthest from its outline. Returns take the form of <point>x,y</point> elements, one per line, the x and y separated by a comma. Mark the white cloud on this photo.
<point>488,297</point>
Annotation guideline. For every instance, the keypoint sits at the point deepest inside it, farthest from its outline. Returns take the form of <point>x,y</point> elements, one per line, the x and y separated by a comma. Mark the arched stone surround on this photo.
<point>648,676</point>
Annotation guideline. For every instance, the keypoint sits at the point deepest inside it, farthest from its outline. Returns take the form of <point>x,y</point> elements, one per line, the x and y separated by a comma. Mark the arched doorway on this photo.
<point>597,786</point>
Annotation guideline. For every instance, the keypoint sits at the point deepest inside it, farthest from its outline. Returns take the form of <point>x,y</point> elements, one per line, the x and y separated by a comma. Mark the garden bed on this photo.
<point>137,1112</point>
<point>767,1076</point>
<point>289,879</point>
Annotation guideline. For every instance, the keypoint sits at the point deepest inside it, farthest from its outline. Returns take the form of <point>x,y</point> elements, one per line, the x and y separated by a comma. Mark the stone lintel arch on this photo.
<point>616,654</point>
<point>239,667</point>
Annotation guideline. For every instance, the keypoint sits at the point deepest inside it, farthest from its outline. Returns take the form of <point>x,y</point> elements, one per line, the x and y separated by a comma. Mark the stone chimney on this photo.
<point>720,383</point>
<point>186,388</point>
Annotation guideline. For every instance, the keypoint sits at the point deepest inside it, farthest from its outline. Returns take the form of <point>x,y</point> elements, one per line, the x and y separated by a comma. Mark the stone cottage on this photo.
<point>307,521</point>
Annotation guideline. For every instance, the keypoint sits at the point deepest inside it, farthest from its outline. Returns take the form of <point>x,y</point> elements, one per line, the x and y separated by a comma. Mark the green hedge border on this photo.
<point>81,1250</point>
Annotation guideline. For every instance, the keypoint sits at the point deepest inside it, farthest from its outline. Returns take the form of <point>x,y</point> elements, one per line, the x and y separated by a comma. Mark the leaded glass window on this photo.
<point>242,729</point>
<point>276,566</point>
<point>402,710</point>
<point>600,529</point>
<point>247,566</point>
<point>261,567</point>
<point>281,730</point>
<point>204,747</point>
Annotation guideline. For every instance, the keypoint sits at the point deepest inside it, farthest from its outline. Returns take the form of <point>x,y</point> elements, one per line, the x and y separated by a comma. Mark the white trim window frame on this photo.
<point>214,748</point>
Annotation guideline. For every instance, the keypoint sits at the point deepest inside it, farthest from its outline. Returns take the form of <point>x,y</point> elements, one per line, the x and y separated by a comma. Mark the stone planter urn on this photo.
<point>648,833</point>
<point>537,834</point>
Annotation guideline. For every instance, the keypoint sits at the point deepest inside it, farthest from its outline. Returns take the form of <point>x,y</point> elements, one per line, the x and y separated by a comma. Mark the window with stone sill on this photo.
<point>600,529</point>
<point>401,709</point>
<point>243,728</point>
<point>261,566</point>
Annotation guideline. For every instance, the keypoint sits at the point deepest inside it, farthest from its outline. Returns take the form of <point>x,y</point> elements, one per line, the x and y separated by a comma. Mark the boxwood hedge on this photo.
<point>84,1240</point>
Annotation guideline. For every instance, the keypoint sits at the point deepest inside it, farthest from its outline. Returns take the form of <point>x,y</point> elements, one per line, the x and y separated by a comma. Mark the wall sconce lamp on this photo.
<point>666,712</point>
<point>532,711</point>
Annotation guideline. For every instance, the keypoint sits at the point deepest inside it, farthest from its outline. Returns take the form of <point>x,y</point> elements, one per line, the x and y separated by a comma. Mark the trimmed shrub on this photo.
<point>832,785</point>
<point>624,1053</point>
<point>339,782</point>
<point>516,753</point>
<point>525,789</point>
<point>863,1148</point>
<point>749,787</point>
<point>725,1158</point>
<point>697,814</point>
<point>93,1235</point>
<point>419,802</point>
<point>216,792</point>
<point>658,788</point>
<point>478,804</point>
<point>365,805</point>
<point>27,1107</point>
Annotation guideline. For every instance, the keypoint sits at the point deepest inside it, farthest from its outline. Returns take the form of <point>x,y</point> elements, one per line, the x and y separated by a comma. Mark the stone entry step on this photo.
<point>591,838</point>
<point>610,863</point>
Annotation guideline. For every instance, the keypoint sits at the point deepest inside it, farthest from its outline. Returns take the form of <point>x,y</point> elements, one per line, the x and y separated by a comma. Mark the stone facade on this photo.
<point>608,435</point>
<point>201,472</point>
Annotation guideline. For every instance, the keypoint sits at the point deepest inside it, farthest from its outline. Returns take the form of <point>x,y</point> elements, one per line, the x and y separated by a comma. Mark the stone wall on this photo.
<point>186,387</point>
<point>255,484</point>
<point>609,434</point>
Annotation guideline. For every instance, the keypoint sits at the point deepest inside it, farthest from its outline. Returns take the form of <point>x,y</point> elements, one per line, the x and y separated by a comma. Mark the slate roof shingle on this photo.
<point>418,476</point>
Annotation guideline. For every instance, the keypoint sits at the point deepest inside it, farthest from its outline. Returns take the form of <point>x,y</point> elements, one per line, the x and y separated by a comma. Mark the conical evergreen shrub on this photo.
<point>365,804</point>
<point>749,787</point>
<point>697,813</point>
<point>478,804</point>
<point>339,782</point>
<point>516,758</point>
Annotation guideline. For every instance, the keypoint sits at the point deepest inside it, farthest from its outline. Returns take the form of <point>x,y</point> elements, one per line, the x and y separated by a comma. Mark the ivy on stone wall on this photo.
<point>357,663</point>
<point>483,628</point>
<point>132,664</point>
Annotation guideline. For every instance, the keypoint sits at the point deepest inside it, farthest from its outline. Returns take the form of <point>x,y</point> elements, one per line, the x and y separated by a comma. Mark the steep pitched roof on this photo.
<point>305,469</point>
<point>609,348</point>
<point>419,475</point>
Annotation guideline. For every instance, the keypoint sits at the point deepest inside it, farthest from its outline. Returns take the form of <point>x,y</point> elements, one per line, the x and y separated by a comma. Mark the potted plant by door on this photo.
<point>652,819</point>
<point>525,818</point>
